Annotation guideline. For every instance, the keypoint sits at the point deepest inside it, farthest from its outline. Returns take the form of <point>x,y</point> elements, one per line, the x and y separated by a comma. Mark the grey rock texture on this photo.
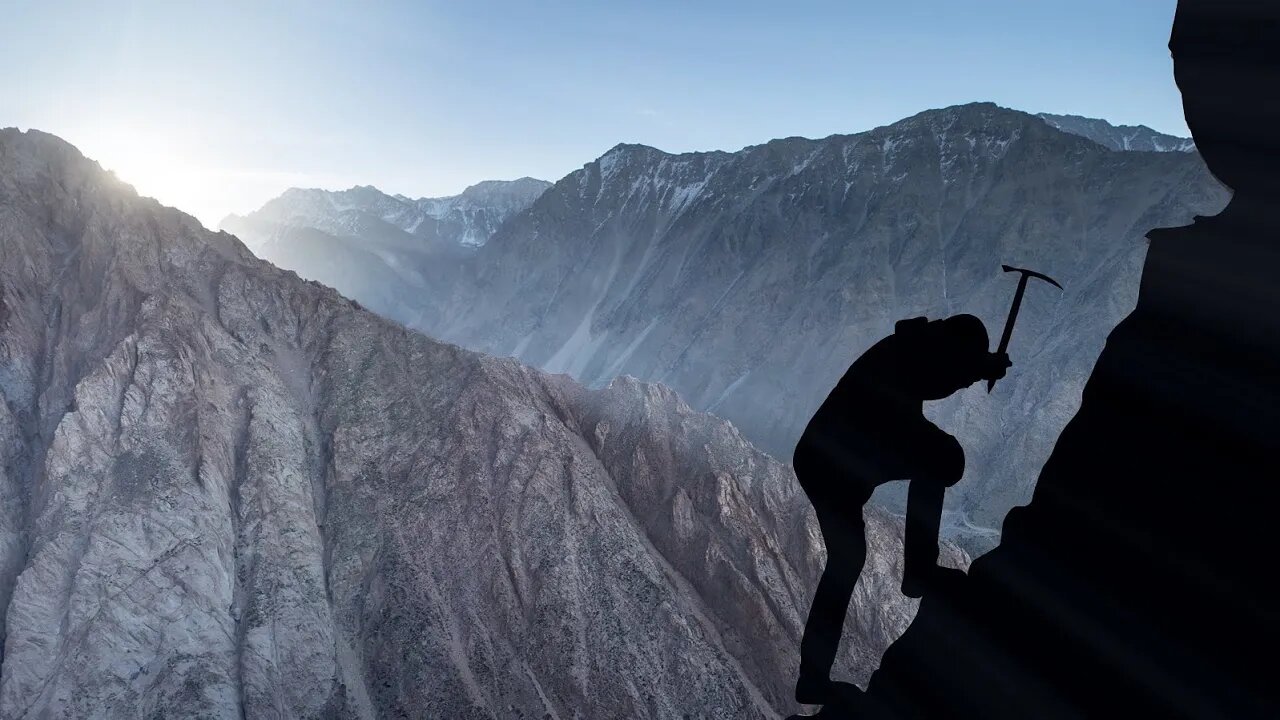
<point>1119,137</point>
<point>749,281</point>
<point>226,492</point>
<point>383,249</point>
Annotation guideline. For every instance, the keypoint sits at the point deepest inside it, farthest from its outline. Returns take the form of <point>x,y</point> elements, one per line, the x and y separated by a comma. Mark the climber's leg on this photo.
<point>938,464</point>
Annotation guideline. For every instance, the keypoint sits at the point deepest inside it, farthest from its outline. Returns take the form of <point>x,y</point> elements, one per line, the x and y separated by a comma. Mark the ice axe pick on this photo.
<point>1017,303</point>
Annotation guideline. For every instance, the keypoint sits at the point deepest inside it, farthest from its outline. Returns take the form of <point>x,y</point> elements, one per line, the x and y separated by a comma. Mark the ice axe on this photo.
<point>1017,303</point>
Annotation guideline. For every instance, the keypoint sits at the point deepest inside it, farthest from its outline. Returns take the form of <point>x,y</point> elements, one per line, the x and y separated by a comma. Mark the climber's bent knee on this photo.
<point>942,462</point>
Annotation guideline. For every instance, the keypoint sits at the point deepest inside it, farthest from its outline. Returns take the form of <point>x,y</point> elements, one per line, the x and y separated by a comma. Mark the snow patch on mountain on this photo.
<point>1119,137</point>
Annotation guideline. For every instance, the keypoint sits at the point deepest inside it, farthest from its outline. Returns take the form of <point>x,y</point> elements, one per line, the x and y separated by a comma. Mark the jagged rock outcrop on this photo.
<point>226,492</point>
<point>749,281</point>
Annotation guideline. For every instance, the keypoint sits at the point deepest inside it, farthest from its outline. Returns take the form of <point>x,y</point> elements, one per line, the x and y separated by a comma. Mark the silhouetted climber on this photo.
<point>870,430</point>
<point>1139,581</point>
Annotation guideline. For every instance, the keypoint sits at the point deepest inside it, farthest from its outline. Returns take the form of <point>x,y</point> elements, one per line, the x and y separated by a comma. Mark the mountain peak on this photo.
<point>626,152</point>
<point>633,148</point>
<point>968,115</point>
<point>523,187</point>
<point>30,152</point>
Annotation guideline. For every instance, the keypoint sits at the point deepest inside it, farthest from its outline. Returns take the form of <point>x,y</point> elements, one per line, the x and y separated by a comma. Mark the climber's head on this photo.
<point>963,357</point>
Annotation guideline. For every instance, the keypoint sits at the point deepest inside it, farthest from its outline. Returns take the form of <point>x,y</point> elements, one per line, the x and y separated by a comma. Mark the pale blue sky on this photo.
<point>217,106</point>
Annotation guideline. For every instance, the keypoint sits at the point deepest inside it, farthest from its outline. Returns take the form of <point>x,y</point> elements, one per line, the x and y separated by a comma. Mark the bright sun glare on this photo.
<point>183,169</point>
<point>155,166</point>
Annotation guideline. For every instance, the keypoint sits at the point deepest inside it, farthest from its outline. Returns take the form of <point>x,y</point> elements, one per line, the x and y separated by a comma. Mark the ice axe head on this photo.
<point>1031,274</point>
<point>1017,303</point>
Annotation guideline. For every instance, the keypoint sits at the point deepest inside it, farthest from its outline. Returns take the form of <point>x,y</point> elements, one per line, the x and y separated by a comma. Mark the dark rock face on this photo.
<point>1139,580</point>
<point>749,281</point>
<point>226,492</point>
<point>1157,481</point>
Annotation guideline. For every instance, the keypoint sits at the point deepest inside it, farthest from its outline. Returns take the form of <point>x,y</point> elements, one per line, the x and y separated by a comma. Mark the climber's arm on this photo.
<point>997,365</point>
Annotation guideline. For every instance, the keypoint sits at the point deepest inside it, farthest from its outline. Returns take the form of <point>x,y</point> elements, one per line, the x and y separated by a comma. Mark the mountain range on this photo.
<point>227,492</point>
<point>748,281</point>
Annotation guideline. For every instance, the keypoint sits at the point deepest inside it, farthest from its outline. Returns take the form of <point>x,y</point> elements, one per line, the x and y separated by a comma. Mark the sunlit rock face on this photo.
<point>749,281</point>
<point>227,492</point>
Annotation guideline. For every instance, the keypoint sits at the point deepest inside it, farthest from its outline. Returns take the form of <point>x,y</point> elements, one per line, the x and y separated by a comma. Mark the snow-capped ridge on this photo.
<point>1139,138</point>
<point>467,219</point>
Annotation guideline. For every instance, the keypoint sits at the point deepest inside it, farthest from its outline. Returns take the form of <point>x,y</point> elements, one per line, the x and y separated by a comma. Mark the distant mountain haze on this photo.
<point>749,281</point>
<point>468,218</point>
<point>380,249</point>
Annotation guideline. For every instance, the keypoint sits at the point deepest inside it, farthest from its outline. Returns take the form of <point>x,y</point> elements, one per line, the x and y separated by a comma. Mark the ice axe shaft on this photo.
<point>1017,303</point>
